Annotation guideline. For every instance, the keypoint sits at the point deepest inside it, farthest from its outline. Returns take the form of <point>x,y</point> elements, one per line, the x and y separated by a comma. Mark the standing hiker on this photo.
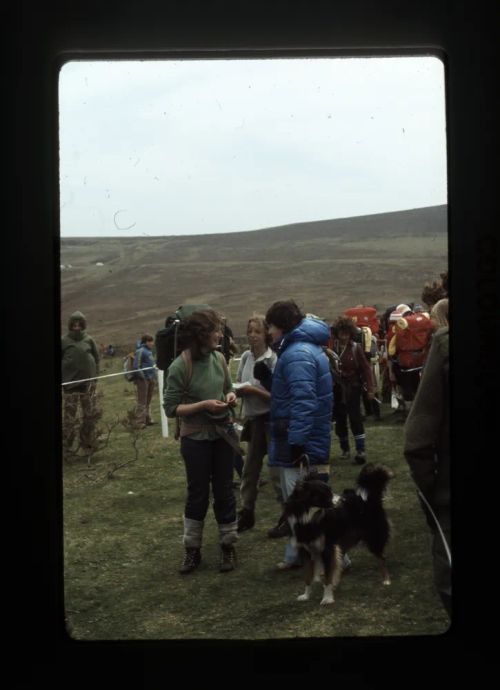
<point>427,452</point>
<point>199,391</point>
<point>353,374</point>
<point>144,380</point>
<point>301,401</point>
<point>256,403</point>
<point>80,363</point>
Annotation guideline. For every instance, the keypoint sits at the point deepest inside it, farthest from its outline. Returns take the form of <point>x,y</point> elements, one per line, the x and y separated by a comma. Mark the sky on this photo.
<point>188,147</point>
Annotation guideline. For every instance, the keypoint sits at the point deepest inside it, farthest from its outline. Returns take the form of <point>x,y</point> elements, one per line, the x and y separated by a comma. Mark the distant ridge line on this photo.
<point>369,218</point>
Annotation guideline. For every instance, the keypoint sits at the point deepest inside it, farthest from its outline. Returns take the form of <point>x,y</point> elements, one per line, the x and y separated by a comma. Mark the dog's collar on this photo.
<point>362,493</point>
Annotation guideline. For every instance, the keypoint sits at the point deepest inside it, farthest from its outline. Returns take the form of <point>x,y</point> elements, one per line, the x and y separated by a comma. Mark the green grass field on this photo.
<point>123,548</point>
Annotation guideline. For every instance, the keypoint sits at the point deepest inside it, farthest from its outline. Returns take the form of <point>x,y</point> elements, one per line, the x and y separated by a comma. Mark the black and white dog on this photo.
<point>325,526</point>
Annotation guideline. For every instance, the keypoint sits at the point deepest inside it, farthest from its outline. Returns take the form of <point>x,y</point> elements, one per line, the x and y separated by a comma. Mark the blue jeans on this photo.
<point>209,462</point>
<point>288,478</point>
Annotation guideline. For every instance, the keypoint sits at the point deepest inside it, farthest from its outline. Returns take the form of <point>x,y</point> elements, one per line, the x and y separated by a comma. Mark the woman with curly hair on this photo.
<point>200,392</point>
<point>353,374</point>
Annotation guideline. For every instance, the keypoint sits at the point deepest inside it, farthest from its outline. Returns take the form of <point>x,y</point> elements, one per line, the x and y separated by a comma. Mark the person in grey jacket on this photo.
<point>427,452</point>
<point>80,364</point>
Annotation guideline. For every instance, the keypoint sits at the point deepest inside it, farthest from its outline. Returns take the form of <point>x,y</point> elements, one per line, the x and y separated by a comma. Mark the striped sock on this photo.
<point>359,440</point>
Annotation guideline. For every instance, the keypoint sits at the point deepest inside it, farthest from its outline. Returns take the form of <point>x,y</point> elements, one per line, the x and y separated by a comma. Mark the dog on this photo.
<point>326,526</point>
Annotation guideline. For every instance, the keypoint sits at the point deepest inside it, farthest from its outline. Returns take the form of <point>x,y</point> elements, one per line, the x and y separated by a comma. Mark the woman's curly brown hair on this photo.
<point>197,329</point>
<point>432,293</point>
<point>344,323</point>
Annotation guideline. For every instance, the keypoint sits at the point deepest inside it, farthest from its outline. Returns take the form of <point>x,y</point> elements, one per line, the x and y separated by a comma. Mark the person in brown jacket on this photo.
<point>353,373</point>
<point>427,452</point>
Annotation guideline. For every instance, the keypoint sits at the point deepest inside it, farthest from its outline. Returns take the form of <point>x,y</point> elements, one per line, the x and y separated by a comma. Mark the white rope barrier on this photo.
<point>104,376</point>
<point>441,534</point>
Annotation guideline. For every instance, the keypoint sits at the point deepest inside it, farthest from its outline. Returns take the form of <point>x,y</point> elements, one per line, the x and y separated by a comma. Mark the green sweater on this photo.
<point>209,381</point>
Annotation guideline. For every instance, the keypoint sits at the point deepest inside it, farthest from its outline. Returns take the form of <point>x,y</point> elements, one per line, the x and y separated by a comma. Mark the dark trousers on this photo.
<point>407,380</point>
<point>209,463</point>
<point>256,429</point>
<point>347,406</point>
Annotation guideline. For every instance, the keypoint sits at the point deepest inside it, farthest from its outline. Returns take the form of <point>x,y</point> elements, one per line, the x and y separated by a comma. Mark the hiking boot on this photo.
<point>279,531</point>
<point>192,559</point>
<point>360,457</point>
<point>246,519</point>
<point>228,559</point>
<point>345,455</point>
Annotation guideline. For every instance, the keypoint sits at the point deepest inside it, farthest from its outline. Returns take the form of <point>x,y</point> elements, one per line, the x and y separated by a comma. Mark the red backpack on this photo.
<point>412,342</point>
<point>364,316</point>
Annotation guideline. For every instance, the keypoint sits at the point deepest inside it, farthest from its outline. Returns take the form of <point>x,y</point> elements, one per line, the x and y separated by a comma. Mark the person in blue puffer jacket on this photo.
<point>301,399</point>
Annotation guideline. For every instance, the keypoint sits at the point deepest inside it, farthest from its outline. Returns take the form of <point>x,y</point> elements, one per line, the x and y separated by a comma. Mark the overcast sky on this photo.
<point>203,146</point>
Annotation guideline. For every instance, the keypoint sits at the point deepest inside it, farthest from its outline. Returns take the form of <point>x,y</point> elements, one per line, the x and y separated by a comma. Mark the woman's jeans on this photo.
<point>209,462</point>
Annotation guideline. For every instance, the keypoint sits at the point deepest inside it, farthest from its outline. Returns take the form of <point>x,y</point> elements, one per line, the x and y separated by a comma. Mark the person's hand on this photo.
<point>214,405</point>
<point>231,399</point>
<point>244,390</point>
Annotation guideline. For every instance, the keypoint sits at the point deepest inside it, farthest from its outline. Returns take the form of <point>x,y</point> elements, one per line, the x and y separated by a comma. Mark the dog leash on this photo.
<point>445,543</point>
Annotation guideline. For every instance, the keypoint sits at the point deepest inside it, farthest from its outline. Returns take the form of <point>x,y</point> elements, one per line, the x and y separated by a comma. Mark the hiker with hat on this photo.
<point>80,364</point>
<point>409,341</point>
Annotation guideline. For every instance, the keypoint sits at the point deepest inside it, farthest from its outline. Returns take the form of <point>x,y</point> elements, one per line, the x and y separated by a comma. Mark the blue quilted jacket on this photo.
<point>301,395</point>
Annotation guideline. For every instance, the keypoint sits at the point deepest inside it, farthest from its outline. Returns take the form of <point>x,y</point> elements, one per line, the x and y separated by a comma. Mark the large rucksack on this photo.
<point>411,340</point>
<point>364,316</point>
<point>128,367</point>
<point>366,340</point>
<point>170,341</point>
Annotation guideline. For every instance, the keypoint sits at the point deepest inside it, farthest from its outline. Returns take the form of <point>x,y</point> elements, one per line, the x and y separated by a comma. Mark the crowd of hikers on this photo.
<point>300,379</point>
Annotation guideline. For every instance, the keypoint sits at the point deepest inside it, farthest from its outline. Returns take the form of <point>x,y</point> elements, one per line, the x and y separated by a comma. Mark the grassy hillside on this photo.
<point>123,547</point>
<point>326,266</point>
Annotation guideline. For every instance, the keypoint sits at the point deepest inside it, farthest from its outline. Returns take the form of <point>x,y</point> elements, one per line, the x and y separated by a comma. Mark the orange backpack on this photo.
<point>412,338</point>
<point>364,316</point>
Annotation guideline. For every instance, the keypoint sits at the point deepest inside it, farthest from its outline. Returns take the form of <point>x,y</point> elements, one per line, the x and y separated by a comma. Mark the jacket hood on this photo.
<point>309,330</point>
<point>77,316</point>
